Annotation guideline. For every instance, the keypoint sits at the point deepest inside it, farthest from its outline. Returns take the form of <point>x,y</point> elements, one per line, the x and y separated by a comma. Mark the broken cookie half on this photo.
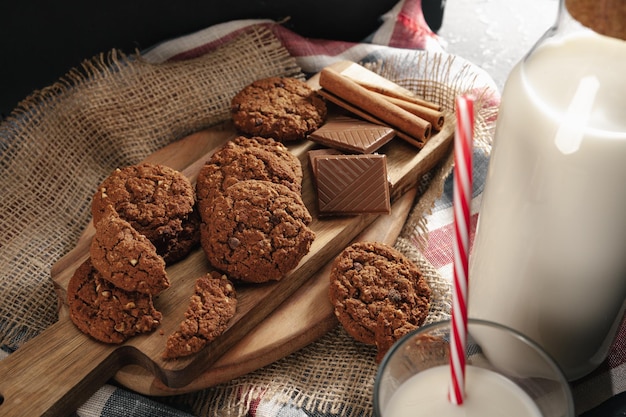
<point>126,258</point>
<point>210,310</point>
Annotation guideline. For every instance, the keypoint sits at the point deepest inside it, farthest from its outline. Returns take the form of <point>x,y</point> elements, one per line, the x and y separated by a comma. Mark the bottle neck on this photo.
<point>605,17</point>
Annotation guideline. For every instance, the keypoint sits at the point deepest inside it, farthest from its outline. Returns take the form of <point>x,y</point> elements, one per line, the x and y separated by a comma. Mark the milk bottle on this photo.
<point>549,258</point>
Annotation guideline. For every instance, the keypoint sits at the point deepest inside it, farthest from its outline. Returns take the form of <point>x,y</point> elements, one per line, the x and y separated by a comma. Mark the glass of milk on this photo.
<point>414,377</point>
<point>549,255</point>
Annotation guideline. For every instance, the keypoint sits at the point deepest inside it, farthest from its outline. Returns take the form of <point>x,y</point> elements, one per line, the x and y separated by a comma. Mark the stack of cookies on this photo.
<point>143,215</point>
<point>158,201</point>
<point>255,226</point>
<point>145,218</point>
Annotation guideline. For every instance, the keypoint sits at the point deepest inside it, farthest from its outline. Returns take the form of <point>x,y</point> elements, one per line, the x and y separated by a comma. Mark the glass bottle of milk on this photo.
<point>549,258</point>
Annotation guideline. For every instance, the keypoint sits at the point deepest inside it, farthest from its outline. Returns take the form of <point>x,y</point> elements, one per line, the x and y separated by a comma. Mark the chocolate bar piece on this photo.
<point>352,135</point>
<point>316,153</point>
<point>352,184</point>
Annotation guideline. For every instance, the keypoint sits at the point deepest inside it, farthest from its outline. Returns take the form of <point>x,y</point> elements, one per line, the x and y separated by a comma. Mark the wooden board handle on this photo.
<point>56,372</point>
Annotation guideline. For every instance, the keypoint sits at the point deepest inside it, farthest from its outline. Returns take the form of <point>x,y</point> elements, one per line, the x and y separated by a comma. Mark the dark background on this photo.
<point>41,40</point>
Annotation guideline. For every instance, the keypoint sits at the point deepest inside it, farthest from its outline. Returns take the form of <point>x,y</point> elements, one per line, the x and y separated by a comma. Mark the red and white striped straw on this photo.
<point>463,140</point>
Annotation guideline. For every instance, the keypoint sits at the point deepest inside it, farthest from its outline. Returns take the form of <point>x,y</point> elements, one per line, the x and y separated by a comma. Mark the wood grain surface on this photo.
<point>58,370</point>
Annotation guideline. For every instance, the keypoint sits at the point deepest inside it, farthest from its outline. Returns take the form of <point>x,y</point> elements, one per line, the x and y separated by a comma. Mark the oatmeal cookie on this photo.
<point>105,312</point>
<point>257,231</point>
<point>372,285</point>
<point>282,108</point>
<point>211,307</point>
<point>126,258</point>
<point>157,201</point>
<point>247,159</point>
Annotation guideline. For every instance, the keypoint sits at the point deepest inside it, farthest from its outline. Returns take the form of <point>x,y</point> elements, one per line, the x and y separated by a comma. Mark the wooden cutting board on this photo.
<point>301,319</point>
<point>58,370</point>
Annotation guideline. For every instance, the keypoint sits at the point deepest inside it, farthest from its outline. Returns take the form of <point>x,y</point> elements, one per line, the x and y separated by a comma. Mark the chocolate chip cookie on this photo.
<point>157,201</point>
<point>210,309</point>
<point>377,293</point>
<point>126,258</point>
<point>257,231</point>
<point>282,108</point>
<point>105,312</point>
<point>247,159</point>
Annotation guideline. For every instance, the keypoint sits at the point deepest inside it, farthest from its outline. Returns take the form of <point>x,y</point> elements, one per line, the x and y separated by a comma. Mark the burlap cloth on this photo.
<point>114,111</point>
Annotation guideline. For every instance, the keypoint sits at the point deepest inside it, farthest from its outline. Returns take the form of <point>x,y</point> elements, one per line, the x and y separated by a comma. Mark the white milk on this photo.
<point>549,257</point>
<point>487,394</point>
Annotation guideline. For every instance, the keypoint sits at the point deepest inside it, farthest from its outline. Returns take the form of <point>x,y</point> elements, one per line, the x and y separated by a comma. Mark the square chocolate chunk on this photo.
<point>352,184</point>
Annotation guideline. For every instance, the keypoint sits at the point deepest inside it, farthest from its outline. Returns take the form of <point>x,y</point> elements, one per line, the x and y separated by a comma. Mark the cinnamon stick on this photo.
<point>434,117</point>
<point>371,103</point>
<point>418,143</point>
<point>396,94</point>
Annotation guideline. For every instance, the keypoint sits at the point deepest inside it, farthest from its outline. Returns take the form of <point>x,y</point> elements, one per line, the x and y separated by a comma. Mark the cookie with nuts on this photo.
<point>256,231</point>
<point>282,108</point>
<point>210,309</point>
<point>158,201</point>
<point>126,258</point>
<point>377,293</point>
<point>105,312</point>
